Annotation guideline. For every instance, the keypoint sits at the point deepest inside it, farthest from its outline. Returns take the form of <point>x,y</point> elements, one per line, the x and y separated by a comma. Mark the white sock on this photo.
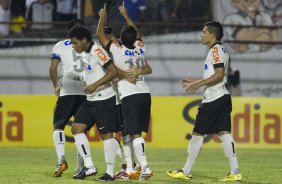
<point>120,153</point>
<point>194,148</point>
<point>110,148</point>
<point>230,152</point>
<point>59,142</point>
<point>79,161</point>
<point>139,149</point>
<point>83,148</point>
<point>128,152</point>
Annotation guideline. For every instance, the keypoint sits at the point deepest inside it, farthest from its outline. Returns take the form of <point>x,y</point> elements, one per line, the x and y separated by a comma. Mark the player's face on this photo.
<point>206,36</point>
<point>78,45</point>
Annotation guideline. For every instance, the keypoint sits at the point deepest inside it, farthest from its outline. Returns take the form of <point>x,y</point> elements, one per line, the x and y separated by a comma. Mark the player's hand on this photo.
<point>90,89</point>
<point>103,11</point>
<point>57,90</point>
<point>193,87</point>
<point>123,10</point>
<point>132,79</point>
<point>185,82</point>
<point>133,71</point>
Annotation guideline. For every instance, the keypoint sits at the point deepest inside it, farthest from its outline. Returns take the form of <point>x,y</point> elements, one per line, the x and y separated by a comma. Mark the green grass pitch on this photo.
<point>37,165</point>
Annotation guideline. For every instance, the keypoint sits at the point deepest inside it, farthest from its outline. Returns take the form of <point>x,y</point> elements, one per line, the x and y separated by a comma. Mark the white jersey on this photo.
<point>95,60</point>
<point>123,59</point>
<point>217,57</point>
<point>73,82</point>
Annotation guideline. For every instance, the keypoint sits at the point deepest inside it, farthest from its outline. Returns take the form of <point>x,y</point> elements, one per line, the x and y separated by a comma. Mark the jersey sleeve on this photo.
<point>140,44</point>
<point>103,58</point>
<point>56,52</point>
<point>217,57</point>
<point>115,48</point>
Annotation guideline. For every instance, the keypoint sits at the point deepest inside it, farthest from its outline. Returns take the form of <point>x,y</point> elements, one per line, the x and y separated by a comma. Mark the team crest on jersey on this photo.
<point>206,66</point>
<point>67,42</point>
<point>134,53</point>
<point>89,67</point>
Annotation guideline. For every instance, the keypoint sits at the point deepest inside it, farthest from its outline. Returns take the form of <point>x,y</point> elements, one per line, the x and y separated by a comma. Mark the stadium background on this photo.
<point>174,51</point>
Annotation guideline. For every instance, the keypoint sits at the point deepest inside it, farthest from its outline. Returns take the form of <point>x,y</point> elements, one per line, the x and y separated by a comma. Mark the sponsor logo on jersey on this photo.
<point>101,55</point>
<point>67,42</point>
<point>215,55</point>
<point>206,66</point>
<point>134,53</point>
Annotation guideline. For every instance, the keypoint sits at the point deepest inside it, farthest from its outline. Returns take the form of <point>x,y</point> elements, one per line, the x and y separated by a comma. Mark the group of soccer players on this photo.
<point>106,82</point>
<point>118,99</point>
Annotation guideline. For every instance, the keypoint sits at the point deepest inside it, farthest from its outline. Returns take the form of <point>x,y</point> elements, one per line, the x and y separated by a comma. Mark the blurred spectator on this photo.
<point>18,7</point>
<point>158,11</point>
<point>185,9</point>
<point>5,16</point>
<point>40,13</point>
<point>66,10</point>
<point>91,8</point>
<point>136,10</point>
<point>28,3</point>
<point>18,22</point>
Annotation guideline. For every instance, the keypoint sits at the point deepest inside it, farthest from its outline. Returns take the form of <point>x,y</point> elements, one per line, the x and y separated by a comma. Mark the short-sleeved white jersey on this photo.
<point>123,59</point>
<point>217,57</point>
<point>73,82</point>
<point>95,61</point>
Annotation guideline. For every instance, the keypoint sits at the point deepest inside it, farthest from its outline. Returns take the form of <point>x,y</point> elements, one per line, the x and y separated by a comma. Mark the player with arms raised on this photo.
<point>129,58</point>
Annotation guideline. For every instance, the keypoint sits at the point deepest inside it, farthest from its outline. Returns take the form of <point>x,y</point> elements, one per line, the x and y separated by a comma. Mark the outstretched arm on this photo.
<point>129,21</point>
<point>102,37</point>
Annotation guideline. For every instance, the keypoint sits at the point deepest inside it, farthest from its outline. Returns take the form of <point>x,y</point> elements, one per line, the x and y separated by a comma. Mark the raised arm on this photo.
<point>129,21</point>
<point>102,37</point>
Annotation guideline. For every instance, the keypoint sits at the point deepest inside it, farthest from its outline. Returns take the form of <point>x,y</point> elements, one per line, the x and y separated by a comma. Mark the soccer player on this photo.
<point>214,113</point>
<point>100,106</point>
<point>71,94</point>
<point>129,58</point>
<point>126,151</point>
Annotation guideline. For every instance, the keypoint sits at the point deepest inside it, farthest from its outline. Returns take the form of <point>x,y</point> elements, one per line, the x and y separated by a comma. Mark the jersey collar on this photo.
<point>215,44</point>
<point>90,47</point>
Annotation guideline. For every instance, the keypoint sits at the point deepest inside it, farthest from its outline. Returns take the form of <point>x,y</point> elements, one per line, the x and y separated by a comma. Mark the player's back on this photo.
<point>124,58</point>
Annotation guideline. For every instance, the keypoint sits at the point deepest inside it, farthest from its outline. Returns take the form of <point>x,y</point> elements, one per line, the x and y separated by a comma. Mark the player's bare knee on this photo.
<point>106,136</point>
<point>136,136</point>
<point>78,128</point>
<point>126,139</point>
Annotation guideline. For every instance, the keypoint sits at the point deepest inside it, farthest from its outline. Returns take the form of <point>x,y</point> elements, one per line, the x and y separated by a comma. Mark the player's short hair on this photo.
<point>215,28</point>
<point>75,22</point>
<point>128,36</point>
<point>80,32</point>
<point>108,30</point>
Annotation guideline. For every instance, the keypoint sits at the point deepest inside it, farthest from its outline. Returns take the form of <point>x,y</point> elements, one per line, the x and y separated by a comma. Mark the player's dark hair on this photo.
<point>80,33</point>
<point>215,28</point>
<point>108,30</point>
<point>128,36</point>
<point>75,22</point>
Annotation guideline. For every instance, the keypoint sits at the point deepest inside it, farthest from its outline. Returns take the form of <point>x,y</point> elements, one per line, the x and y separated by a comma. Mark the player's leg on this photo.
<point>80,99</point>
<point>224,133</point>
<point>82,122</point>
<point>230,153</point>
<point>203,124</point>
<point>136,113</point>
<point>106,121</point>
<point>63,112</point>
<point>111,145</point>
